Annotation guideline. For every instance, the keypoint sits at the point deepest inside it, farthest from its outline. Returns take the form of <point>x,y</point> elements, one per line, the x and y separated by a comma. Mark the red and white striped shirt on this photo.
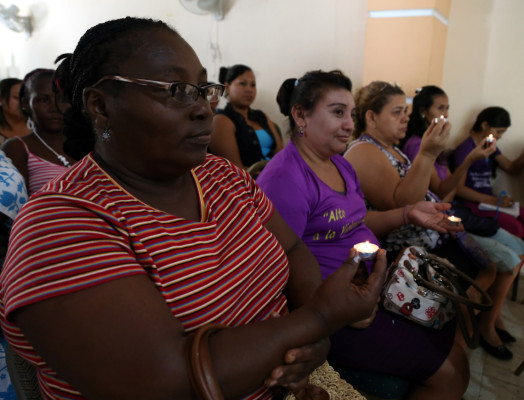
<point>83,229</point>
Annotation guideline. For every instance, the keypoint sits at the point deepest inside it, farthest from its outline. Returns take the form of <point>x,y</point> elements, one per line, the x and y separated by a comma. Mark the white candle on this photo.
<point>366,250</point>
<point>441,117</point>
<point>452,220</point>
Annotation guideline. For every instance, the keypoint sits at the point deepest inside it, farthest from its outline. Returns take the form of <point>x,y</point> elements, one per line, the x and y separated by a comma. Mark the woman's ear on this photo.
<point>95,105</point>
<point>298,115</point>
<point>485,126</point>
<point>370,119</point>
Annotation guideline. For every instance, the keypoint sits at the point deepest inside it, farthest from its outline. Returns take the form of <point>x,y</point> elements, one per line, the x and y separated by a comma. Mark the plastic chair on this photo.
<point>254,169</point>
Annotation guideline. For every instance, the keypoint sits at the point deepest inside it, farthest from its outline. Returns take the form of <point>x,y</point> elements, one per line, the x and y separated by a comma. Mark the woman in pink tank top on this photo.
<point>39,156</point>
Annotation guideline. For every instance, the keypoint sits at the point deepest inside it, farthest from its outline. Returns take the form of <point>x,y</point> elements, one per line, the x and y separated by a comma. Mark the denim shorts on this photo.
<point>504,249</point>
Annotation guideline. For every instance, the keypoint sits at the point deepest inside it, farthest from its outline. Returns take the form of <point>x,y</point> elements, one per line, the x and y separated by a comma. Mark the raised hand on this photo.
<point>435,138</point>
<point>483,150</point>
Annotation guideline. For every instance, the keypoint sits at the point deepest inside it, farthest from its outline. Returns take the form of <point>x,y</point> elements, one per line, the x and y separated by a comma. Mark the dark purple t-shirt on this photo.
<point>479,173</point>
<point>411,149</point>
<point>330,223</point>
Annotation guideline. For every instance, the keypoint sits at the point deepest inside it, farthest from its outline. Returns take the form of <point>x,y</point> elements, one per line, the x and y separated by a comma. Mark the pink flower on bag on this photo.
<point>400,273</point>
<point>400,296</point>
<point>431,312</point>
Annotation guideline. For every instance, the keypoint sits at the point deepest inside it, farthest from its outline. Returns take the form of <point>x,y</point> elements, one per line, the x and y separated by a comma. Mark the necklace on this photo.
<point>59,156</point>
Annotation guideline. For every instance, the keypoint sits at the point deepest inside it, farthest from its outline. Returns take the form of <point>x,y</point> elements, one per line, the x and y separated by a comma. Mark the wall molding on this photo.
<point>420,12</point>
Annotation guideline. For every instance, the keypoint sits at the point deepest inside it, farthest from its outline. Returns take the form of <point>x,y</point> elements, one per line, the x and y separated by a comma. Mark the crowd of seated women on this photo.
<point>147,233</point>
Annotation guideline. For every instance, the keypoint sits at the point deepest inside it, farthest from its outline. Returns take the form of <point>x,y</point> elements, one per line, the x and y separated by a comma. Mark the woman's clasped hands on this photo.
<point>338,302</point>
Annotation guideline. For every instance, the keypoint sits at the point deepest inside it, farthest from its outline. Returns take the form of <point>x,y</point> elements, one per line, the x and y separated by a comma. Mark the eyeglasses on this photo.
<point>183,92</point>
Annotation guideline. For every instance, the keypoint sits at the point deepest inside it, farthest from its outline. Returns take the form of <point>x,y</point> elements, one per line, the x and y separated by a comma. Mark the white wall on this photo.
<point>483,67</point>
<point>280,39</point>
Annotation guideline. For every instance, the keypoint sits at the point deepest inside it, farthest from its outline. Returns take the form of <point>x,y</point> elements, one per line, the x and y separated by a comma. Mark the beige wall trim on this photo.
<point>416,12</point>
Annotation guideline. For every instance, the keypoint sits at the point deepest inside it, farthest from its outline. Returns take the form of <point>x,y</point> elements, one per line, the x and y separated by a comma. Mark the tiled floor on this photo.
<point>492,379</point>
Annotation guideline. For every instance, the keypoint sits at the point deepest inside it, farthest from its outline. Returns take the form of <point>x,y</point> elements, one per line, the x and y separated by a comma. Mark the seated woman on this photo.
<point>241,134</point>
<point>476,188</point>
<point>39,156</point>
<point>12,121</point>
<point>505,249</point>
<point>13,196</point>
<point>389,180</point>
<point>148,239</point>
<point>317,192</point>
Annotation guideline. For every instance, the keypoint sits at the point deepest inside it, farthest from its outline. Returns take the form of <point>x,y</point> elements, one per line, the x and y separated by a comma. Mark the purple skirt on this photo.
<point>393,345</point>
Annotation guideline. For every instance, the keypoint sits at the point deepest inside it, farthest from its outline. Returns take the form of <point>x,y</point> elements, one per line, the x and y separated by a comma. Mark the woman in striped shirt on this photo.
<point>39,156</point>
<point>148,238</point>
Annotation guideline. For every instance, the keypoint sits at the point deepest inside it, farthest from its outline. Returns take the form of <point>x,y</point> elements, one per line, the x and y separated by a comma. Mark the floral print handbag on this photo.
<point>429,290</point>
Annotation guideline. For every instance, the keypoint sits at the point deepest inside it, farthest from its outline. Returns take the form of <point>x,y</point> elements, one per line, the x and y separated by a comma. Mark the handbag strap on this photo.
<point>464,306</point>
<point>448,270</point>
<point>200,366</point>
<point>472,340</point>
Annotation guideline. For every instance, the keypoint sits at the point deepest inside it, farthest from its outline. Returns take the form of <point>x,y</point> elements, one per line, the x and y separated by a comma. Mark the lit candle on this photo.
<point>441,117</point>
<point>366,250</point>
<point>490,139</point>
<point>452,220</point>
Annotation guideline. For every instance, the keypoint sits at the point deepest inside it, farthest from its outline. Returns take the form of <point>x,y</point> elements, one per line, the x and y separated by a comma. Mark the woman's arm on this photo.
<point>442,188</point>
<point>418,178</point>
<point>15,150</point>
<point>304,272</point>
<point>511,167</point>
<point>223,140</point>
<point>473,195</point>
<point>380,181</point>
<point>426,214</point>
<point>119,339</point>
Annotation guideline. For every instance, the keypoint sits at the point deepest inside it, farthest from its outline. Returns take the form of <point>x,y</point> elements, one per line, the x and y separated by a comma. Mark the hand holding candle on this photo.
<point>455,221</point>
<point>490,139</point>
<point>441,117</point>
<point>367,251</point>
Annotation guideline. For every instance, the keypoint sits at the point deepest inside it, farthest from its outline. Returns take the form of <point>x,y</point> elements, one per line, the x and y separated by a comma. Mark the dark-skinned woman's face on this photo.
<point>153,135</point>
<point>39,102</point>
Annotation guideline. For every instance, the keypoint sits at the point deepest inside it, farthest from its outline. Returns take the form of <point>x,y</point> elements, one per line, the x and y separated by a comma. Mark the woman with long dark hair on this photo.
<point>12,121</point>
<point>476,187</point>
<point>505,249</point>
<point>241,134</point>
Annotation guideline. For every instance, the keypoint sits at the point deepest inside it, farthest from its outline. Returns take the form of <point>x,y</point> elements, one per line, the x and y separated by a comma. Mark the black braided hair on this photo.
<point>99,52</point>
<point>308,91</point>
<point>5,93</point>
